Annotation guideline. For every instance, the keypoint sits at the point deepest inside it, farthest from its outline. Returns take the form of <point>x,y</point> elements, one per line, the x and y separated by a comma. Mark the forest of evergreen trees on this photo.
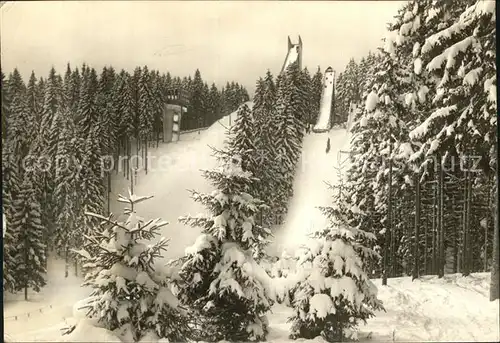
<point>424,170</point>
<point>420,195</point>
<point>55,131</point>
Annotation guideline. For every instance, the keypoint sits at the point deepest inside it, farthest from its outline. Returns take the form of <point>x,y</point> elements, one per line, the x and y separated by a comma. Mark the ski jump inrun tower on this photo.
<point>326,103</point>
<point>294,54</point>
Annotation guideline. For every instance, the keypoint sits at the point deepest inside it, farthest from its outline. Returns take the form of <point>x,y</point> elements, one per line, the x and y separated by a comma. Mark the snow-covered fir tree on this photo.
<point>334,291</point>
<point>27,229</point>
<point>146,108</point>
<point>315,95</point>
<point>128,296</point>
<point>220,279</point>
<point>308,102</point>
<point>242,139</point>
<point>66,193</point>
<point>19,113</point>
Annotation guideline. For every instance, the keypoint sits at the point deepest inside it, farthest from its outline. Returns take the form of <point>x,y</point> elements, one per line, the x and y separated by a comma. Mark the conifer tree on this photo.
<point>67,197</point>
<point>215,107</point>
<point>20,121</point>
<point>242,141</point>
<point>141,301</point>
<point>216,285</point>
<point>34,105</point>
<point>74,91</point>
<point>5,107</point>
<point>28,230</point>
<point>146,108</point>
<point>307,84</point>
<point>10,192</point>
<point>334,292</point>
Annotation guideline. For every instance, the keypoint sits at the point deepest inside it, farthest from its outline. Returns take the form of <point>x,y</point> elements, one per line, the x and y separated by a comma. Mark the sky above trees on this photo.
<point>225,40</point>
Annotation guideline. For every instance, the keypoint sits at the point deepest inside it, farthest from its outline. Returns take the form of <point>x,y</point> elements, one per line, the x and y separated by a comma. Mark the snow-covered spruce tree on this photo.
<point>145,106</point>
<point>34,105</point>
<point>334,292</point>
<point>220,280</point>
<point>5,106</point>
<point>453,66</point>
<point>27,228</point>
<point>158,106</point>
<point>66,193</point>
<point>10,191</point>
<point>20,136</point>
<point>315,97</point>
<point>127,294</point>
<point>341,108</point>
<point>9,257</point>
<point>289,129</point>
<point>242,140</point>
<point>86,110</point>
<point>307,84</point>
<point>465,105</point>
<point>91,184</point>
<point>215,103</point>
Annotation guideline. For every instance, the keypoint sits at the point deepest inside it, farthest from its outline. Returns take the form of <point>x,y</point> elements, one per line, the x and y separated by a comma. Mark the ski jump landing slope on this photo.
<point>310,190</point>
<point>325,108</point>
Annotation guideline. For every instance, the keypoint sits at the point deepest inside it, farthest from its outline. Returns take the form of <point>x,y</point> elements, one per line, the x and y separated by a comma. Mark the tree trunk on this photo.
<point>416,267</point>
<point>146,157</point>
<point>109,193</point>
<point>389,214</point>
<point>465,243</point>
<point>469,255</point>
<point>386,252</point>
<point>26,264</point>
<point>485,257</point>
<point>157,137</point>
<point>495,280</point>
<point>137,152</point>
<point>441,219</point>
<point>456,255</point>
<point>132,183</point>
<point>129,156</point>
<point>434,227</point>
<point>426,248</point>
<point>66,263</point>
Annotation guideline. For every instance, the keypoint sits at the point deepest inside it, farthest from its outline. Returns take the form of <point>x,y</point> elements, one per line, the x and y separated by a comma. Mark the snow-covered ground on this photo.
<point>44,314</point>
<point>449,309</point>
<point>454,309</point>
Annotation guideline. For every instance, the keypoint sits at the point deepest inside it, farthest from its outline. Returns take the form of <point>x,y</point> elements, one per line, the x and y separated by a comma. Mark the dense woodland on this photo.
<point>415,199</point>
<point>424,151</point>
<point>55,131</point>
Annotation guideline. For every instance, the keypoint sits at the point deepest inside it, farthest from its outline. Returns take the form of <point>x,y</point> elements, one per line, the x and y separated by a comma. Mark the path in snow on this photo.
<point>315,168</point>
